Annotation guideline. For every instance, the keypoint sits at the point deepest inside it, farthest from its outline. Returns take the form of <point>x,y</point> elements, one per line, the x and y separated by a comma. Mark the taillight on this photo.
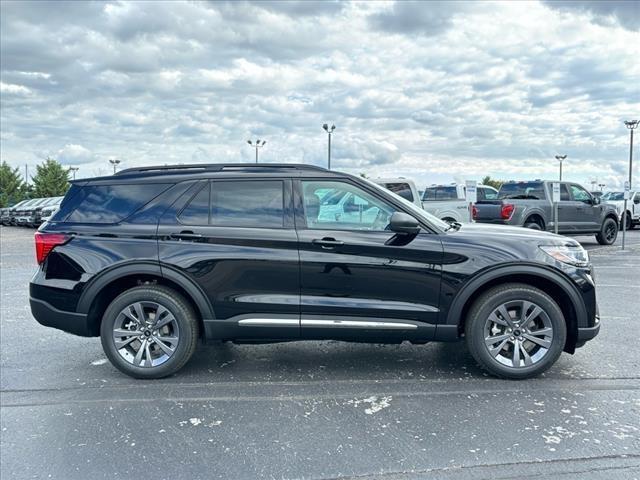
<point>507,211</point>
<point>45,242</point>
<point>474,212</point>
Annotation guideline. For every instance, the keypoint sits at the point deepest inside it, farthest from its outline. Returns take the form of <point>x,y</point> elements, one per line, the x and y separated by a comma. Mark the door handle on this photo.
<point>186,235</point>
<point>327,242</point>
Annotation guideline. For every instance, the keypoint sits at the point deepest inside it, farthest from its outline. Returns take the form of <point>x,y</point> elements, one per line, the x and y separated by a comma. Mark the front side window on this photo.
<point>580,194</point>
<point>355,209</point>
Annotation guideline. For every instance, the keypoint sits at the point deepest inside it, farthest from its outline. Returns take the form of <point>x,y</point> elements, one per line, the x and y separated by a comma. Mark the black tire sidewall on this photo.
<point>176,305</point>
<point>532,226</point>
<point>491,300</point>
<point>602,237</point>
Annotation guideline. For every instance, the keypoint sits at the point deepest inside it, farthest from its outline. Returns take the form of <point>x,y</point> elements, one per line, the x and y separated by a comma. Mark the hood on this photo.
<point>511,234</point>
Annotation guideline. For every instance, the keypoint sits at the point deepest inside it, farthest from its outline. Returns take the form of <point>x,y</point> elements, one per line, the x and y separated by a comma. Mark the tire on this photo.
<point>533,226</point>
<point>629,221</point>
<point>157,304</point>
<point>515,298</point>
<point>608,232</point>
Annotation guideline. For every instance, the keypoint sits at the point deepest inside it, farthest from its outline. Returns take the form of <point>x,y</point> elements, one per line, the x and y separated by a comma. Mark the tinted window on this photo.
<point>440,193</point>
<point>523,190</point>
<point>402,189</point>
<point>355,210</point>
<point>564,193</point>
<point>247,204</point>
<point>197,211</point>
<point>487,194</point>
<point>109,203</point>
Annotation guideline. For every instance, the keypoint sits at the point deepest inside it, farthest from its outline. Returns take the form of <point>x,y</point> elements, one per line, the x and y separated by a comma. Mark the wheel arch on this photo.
<point>536,217</point>
<point>553,284</point>
<point>108,285</point>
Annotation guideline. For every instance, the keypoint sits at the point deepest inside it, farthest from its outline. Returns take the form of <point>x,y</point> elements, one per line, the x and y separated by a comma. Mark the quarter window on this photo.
<point>342,206</point>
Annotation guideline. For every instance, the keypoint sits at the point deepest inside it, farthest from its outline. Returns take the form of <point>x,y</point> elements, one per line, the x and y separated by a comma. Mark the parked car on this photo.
<point>403,187</point>
<point>154,259</point>
<point>49,209</point>
<point>10,215</point>
<point>4,216</point>
<point>26,216</point>
<point>448,202</point>
<point>633,207</point>
<point>20,211</point>
<point>529,204</point>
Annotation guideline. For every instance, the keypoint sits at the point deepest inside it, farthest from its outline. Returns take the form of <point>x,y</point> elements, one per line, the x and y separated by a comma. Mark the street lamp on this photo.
<point>115,162</point>
<point>258,144</point>
<point>74,170</point>
<point>329,131</point>
<point>560,158</point>
<point>601,185</point>
<point>631,125</point>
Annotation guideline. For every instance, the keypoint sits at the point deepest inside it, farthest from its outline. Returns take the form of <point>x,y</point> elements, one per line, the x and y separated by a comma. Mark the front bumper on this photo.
<point>49,316</point>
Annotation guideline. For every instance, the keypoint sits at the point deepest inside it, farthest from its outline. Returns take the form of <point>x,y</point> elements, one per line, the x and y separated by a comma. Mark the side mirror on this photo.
<point>636,200</point>
<point>403,223</point>
<point>596,201</point>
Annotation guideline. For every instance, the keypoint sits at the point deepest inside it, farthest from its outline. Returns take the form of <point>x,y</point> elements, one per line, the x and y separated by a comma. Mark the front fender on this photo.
<point>466,293</point>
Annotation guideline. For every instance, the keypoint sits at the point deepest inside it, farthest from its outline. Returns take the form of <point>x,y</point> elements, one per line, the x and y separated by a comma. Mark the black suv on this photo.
<point>154,259</point>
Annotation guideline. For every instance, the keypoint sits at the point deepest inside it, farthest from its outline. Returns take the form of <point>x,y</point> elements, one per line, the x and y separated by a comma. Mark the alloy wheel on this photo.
<point>146,334</point>
<point>518,333</point>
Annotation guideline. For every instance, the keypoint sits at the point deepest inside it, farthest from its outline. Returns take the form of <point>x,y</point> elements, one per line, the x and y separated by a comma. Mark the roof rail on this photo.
<point>219,167</point>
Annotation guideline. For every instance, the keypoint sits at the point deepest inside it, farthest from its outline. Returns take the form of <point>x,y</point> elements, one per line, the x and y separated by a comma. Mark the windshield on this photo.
<point>614,196</point>
<point>413,209</point>
<point>530,190</point>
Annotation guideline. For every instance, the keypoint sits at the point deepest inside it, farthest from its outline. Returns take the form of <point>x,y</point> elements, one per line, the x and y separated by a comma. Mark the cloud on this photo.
<point>429,90</point>
<point>624,12</point>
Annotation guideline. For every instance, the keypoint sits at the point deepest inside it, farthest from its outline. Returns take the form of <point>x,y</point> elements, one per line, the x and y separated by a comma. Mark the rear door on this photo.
<point>356,282</point>
<point>235,239</point>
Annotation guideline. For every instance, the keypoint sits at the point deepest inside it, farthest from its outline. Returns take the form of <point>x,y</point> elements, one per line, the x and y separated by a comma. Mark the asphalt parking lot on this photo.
<point>319,410</point>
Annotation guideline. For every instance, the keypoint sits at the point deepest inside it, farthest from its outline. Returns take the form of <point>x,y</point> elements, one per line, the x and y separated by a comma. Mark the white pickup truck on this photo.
<point>448,202</point>
<point>633,206</point>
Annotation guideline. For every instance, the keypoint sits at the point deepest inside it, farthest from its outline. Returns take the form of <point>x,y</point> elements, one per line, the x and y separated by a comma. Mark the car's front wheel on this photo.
<point>515,331</point>
<point>149,331</point>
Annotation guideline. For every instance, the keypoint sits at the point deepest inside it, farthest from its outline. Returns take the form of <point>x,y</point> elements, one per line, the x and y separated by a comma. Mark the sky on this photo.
<point>433,91</point>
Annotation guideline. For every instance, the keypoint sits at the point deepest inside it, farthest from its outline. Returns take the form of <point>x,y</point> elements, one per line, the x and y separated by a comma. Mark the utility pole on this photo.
<point>560,158</point>
<point>26,174</point>
<point>74,170</point>
<point>258,144</point>
<point>631,125</point>
<point>329,131</point>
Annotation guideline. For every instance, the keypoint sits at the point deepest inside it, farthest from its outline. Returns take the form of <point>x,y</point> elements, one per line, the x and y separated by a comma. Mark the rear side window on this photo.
<point>108,203</point>
<point>258,204</point>
<point>402,189</point>
<point>440,193</point>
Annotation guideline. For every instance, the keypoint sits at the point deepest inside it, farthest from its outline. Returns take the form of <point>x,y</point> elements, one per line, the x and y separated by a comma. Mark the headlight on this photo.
<point>572,255</point>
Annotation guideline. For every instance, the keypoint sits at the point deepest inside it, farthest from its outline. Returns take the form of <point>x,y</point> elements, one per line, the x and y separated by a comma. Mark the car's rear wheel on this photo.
<point>608,232</point>
<point>149,331</point>
<point>629,221</point>
<point>515,331</point>
<point>533,226</point>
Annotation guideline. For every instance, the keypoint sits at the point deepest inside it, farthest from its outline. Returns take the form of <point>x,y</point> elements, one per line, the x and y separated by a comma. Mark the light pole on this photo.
<point>560,158</point>
<point>601,185</point>
<point>74,170</point>
<point>258,144</point>
<point>329,131</point>
<point>115,162</point>
<point>631,125</point>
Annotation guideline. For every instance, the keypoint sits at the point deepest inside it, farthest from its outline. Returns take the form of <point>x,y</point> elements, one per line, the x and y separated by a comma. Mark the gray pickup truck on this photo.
<point>528,204</point>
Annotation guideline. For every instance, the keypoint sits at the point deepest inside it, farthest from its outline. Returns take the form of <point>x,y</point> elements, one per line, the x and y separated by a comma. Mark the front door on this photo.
<point>359,281</point>
<point>236,240</point>
<point>588,214</point>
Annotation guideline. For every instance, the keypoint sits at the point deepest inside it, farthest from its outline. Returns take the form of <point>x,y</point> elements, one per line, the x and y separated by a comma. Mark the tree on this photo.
<point>12,187</point>
<point>492,182</point>
<point>51,179</point>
